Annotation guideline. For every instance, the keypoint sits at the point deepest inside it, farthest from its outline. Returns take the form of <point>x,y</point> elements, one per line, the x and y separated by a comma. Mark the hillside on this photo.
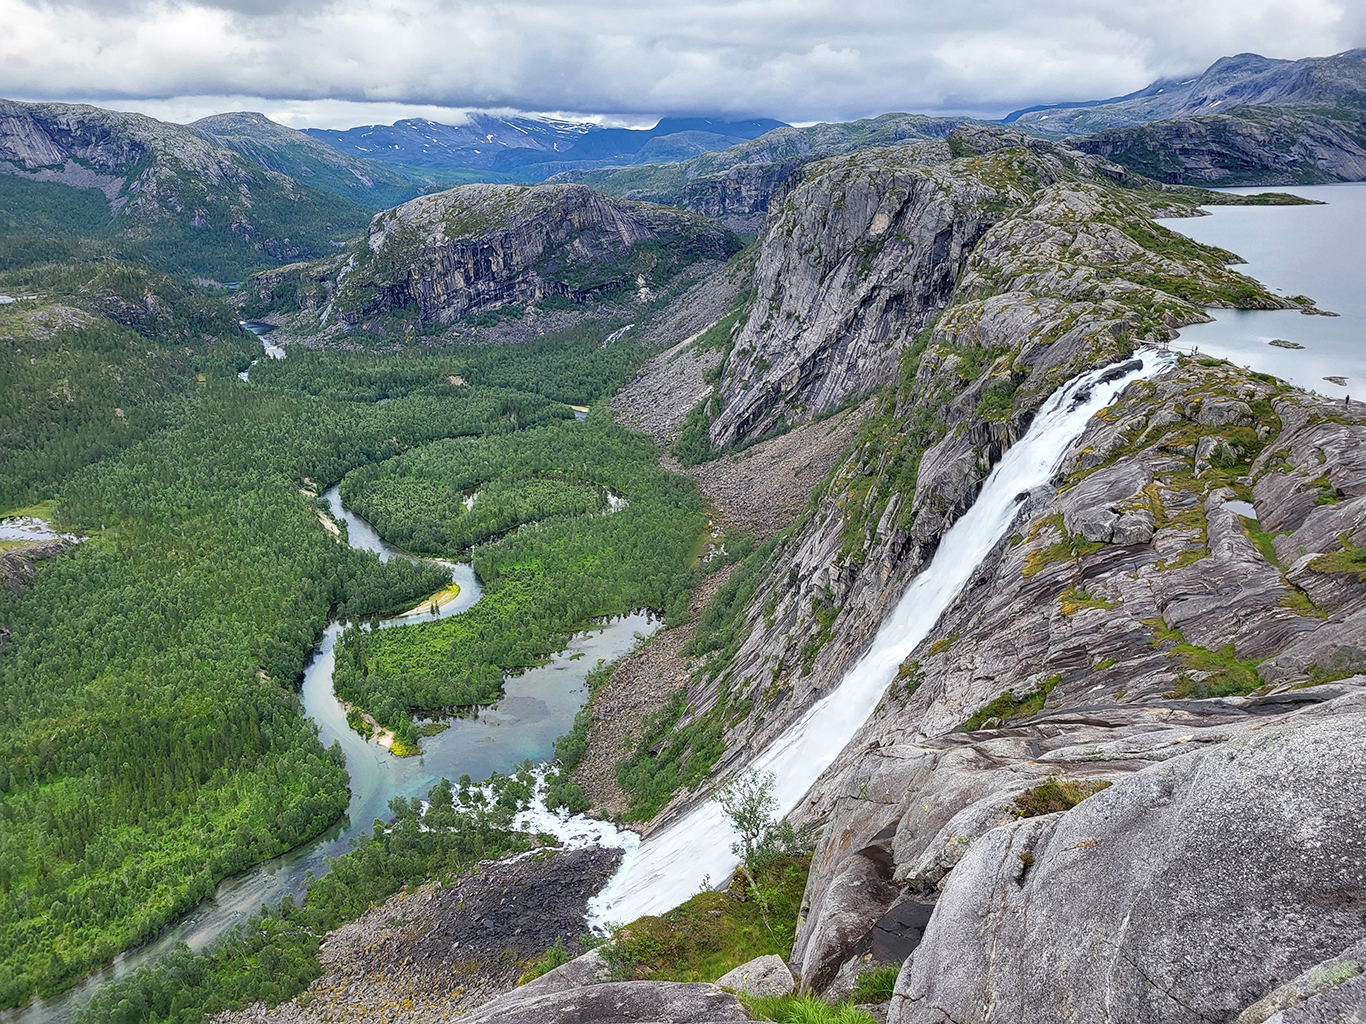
<point>737,184</point>
<point>173,197</point>
<point>1246,146</point>
<point>939,279</point>
<point>1055,640</point>
<point>484,248</point>
<point>533,148</point>
<point>418,142</point>
<point>365,182</point>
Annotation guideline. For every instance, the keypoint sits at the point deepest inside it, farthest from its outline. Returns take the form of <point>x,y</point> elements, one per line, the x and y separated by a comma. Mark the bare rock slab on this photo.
<point>589,969</point>
<point>614,1002</point>
<point>762,976</point>
<point>1186,891</point>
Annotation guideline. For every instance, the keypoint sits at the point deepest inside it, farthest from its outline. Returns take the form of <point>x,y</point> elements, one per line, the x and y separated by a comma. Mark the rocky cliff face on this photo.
<point>739,184</point>
<point>871,248</point>
<point>1225,860</point>
<point>1120,623</point>
<point>483,247</point>
<point>1253,146</point>
<point>1069,273</point>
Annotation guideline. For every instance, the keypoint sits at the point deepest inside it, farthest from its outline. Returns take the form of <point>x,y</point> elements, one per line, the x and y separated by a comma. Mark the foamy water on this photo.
<point>667,869</point>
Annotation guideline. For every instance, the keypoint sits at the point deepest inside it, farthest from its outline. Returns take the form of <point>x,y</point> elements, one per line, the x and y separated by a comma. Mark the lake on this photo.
<point>1319,251</point>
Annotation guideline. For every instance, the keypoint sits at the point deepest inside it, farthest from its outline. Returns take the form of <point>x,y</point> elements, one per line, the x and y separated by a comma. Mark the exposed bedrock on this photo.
<point>1089,649</point>
<point>1069,275</point>
<point>857,261</point>
<point>1186,891</point>
<point>482,247</point>
<point>740,197</point>
<point>616,1002</point>
<point>1255,146</point>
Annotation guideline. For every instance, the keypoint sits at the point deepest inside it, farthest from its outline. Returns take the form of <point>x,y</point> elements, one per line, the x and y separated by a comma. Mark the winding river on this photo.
<point>538,706</point>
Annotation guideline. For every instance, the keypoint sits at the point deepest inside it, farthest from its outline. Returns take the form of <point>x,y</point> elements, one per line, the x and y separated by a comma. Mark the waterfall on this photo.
<point>667,869</point>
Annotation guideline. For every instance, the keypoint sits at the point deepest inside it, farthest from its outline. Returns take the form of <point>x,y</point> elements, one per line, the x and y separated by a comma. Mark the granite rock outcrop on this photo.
<point>1067,272</point>
<point>479,248</point>
<point>1251,146</point>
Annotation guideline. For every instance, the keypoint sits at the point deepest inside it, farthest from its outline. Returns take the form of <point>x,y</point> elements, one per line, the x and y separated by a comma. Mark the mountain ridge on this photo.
<point>1239,80</point>
<point>177,197</point>
<point>513,146</point>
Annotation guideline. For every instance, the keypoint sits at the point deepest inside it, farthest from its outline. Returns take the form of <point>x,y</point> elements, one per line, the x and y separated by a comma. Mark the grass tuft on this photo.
<point>804,1009</point>
<point>875,984</point>
<point>1056,794</point>
<point>714,932</point>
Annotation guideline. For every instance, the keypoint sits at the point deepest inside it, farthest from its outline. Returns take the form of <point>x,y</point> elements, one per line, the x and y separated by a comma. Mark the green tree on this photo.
<point>752,808</point>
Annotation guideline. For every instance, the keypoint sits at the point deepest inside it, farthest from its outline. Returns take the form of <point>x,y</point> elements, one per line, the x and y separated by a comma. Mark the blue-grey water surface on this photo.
<point>1319,251</point>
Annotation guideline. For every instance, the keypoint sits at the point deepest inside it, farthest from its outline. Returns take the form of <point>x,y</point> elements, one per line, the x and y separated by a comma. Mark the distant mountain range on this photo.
<point>1243,80</point>
<point>236,191</point>
<point>530,148</point>
<point>371,183</point>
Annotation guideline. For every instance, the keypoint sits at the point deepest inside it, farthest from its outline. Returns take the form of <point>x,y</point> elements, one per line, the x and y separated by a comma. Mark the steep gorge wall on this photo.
<point>485,247</point>
<point>1071,274</point>
<point>1133,605</point>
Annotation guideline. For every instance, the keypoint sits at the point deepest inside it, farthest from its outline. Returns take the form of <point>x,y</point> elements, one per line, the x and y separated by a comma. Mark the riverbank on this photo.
<point>433,604</point>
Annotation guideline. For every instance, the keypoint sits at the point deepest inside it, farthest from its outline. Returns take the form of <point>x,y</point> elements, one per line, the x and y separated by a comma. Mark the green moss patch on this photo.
<point>1005,707</point>
<point>1056,794</point>
<point>1350,558</point>
<point>1223,674</point>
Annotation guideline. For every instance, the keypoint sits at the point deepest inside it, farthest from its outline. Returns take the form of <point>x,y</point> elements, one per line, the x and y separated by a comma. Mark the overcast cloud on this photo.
<point>345,62</point>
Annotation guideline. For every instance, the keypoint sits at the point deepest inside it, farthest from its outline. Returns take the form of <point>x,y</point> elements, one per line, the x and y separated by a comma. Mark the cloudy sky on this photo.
<point>338,63</point>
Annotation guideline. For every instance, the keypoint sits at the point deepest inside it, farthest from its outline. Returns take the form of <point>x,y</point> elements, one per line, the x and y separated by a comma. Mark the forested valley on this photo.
<point>153,741</point>
<point>577,521</point>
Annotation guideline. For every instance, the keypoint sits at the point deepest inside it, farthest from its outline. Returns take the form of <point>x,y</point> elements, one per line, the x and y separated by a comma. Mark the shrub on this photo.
<point>752,809</point>
<point>555,956</point>
<point>1056,794</point>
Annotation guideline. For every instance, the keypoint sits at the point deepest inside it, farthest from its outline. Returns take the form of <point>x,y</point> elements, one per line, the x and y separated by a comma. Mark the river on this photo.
<point>1317,251</point>
<point>538,706</point>
<point>261,329</point>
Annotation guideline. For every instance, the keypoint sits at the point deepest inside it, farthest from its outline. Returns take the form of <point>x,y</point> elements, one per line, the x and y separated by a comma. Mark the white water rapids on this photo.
<point>660,873</point>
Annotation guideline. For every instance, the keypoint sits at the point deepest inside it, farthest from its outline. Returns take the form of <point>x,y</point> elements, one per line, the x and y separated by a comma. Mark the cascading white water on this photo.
<point>668,868</point>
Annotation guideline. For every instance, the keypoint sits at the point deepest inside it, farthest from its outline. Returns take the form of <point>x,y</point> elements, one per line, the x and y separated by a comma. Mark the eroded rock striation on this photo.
<point>1185,891</point>
<point>1132,744</point>
<point>1068,272</point>
<point>1252,146</point>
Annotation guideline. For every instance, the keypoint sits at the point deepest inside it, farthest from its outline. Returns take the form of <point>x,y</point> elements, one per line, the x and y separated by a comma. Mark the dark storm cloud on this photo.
<point>795,59</point>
